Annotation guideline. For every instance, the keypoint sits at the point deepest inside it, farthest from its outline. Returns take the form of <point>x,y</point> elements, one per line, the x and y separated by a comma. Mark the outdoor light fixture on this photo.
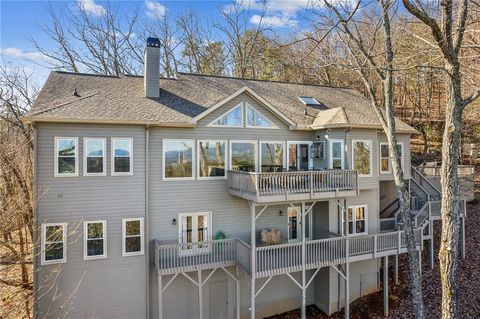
<point>174,221</point>
<point>280,213</point>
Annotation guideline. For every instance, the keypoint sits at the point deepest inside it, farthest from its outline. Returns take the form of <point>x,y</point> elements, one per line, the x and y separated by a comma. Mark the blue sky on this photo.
<point>21,20</point>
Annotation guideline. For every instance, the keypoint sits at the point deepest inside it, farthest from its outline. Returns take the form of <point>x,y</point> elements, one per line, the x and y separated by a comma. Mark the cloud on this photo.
<point>273,21</point>
<point>89,6</point>
<point>16,53</point>
<point>155,9</point>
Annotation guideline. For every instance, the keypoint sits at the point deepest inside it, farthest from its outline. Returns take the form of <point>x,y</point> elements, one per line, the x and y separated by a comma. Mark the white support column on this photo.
<point>462,229</point>
<point>347,290</point>
<point>304,279</point>
<point>160,296</point>
<point>252,260</point>
<point>237,290</point>
<point>396,269</point>
<point>420,261</point>
<point>431,252</point>
<point>200,295</point>
<point>385,286</point>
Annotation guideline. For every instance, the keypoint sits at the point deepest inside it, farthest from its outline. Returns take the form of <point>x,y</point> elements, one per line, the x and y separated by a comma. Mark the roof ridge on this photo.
<point>87,74</point>
<point>272,81</point>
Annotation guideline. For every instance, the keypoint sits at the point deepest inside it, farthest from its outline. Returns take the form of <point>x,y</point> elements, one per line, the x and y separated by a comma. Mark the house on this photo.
<point>213,197</point>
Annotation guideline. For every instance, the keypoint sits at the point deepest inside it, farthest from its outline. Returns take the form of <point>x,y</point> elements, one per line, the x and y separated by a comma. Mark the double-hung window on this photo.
<point>336,154</point>
<point>178,159</point>
<point>132,236</point>
<point>94,163</point>
<point>211,159</point>
<point>66,156</point>
<point>54,243</point>
<point>362,157</point>
<point>194,231</point>
<point>95,239</point>
<point>357,220</point>
<point>386,158</point>
<point>122,157</point>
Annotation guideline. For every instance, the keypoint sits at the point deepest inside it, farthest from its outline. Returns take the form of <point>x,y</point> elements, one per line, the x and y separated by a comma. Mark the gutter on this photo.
<point>147,237</point>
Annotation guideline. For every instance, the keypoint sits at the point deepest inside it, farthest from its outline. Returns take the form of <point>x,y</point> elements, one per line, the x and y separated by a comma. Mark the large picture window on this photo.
<point>336,154</point>
<point>211,159</point>
<point>362,157</point>
<point>193,230</point>
<point>272,156</point>
<point>95,239</point>
<point>178,158</point>
<point>54,243</point>
<point>386,158</point>
<point>122,157</point>
<point>132,235</point>
<point>66,156</point>
<point>243,156</point>
<point>94,157</point>
<point>357,220</point>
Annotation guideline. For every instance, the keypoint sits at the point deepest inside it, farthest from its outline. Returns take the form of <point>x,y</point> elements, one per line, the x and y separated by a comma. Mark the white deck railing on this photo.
<point>280,183</point>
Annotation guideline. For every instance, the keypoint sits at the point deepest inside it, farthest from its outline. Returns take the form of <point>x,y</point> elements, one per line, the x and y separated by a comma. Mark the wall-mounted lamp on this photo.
<point>317,138</point>
<point>280,213</point>
<point>174,221</point>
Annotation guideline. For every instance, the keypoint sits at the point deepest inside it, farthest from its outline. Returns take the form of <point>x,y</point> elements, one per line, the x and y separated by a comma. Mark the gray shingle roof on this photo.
<point>121,98</point>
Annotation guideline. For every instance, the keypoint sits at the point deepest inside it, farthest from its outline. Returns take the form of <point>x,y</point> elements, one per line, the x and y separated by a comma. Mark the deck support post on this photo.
<point>396,269</point>
<point>304,280</point>
<point>385,286</point>
<point>160,296</point>
<point>252,260</point>
<point>200,295</point>
<point>347,290</point>
<point>237,290</point>
<point>420,261</point>
<point>462,230</point>
<point>432,260</point>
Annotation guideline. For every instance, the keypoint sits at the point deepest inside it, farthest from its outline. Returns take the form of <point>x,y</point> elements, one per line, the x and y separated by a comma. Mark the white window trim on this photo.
<point>354,220</point>
<point>44,239</point>
<point>310,221</point>
<point>243,141</point>
<point>370,142</point>
<point>390,169</point>
<point>330,152</point>
<point>124,231</point>
<point>190,178</point>
<point>112,156</point>
<point>284,160</point>
<point>104,141</point>
<point>186,252</point>
<point>310,159</point>
<point>55,166</point>
<point>247,105</point>
<point>85,239</point>
<point>225,160</point>
<point>242,111</point>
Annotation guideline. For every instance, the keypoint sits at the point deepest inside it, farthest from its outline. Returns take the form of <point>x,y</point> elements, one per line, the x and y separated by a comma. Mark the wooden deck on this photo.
<point>293,186</point>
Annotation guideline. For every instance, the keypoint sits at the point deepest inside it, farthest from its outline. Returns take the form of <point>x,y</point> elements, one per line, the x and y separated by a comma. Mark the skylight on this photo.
<point>308,100</point>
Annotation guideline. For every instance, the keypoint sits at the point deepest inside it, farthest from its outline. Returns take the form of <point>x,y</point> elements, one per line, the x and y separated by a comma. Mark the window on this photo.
<point>66,156</point>
<point>295,224</point>
<point>132,235</point>
<point>298,156</point>
<point>386,159</point>
<point>94,239</point>
<point>193,230</point>
<point>243,156</point>
<point>211,159</point>
<point>362,157</point>
<point>54,243</point>
<point>357,220</point>
<point>233,118</point>
<point>94,157</point>
<point>122,157</point>
<point>318,150</point>
<point>256,119</point>
<point>308,100</point>
<point>272,156</point>
<point>336,154</point>
<point>178,159</point>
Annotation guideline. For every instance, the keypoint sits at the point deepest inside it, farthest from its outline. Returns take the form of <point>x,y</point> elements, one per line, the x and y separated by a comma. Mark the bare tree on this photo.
<point>371,53</point>
<point>447,24</point>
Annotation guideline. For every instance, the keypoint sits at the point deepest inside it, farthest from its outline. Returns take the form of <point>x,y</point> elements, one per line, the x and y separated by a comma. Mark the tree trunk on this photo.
<point>449,181</point>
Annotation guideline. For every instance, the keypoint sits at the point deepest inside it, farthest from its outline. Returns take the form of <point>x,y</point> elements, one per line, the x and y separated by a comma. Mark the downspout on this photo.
<point>147,190</point>
<point>35,219</point>
<point>345,145</point>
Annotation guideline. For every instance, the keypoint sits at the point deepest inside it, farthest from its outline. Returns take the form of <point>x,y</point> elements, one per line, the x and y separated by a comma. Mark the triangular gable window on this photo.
<point>233,118</point>
<point>257,119</point>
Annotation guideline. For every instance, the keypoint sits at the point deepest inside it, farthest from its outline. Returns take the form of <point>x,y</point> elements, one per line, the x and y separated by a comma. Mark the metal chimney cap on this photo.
<point>153,42</point>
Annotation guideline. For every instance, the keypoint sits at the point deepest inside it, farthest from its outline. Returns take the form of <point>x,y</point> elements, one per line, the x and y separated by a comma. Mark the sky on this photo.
<point>21,20</point>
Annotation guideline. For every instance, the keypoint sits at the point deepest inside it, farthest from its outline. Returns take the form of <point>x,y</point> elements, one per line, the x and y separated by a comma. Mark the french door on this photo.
<point>295,225</point>
<point>299,158</point>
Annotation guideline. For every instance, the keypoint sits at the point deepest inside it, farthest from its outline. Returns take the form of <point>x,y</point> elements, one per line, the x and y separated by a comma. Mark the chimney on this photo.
<point>151,73</point>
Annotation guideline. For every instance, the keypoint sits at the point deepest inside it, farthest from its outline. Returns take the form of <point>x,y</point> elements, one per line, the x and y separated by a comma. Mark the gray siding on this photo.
<point>109,282</point>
